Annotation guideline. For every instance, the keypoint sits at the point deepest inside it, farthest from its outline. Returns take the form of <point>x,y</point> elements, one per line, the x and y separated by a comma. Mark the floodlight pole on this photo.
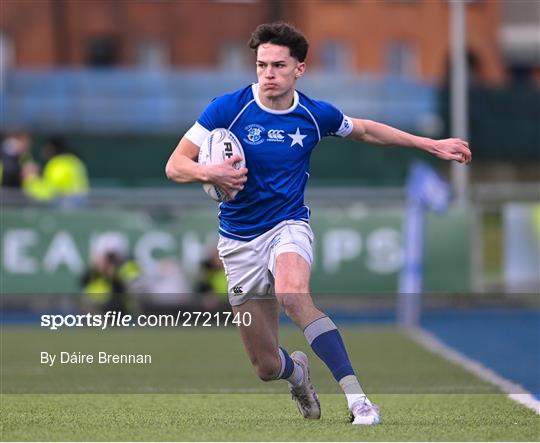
<point>410,296</point>
<point>459,110</point>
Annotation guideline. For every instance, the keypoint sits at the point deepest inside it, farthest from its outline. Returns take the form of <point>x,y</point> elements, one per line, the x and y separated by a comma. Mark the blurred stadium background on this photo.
<point>120,82</point>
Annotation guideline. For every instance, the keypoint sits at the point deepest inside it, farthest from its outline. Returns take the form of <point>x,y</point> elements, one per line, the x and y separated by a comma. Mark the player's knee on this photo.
<point>294,304</point>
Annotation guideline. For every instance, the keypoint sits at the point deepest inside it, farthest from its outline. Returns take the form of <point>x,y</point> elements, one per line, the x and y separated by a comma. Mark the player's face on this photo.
<point>277,71</point>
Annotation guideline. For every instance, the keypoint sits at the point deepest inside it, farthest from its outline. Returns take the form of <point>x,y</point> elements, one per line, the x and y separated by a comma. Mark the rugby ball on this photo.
<point>219,146</point>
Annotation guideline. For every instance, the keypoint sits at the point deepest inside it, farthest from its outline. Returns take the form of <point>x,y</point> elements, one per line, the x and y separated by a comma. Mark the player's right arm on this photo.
<point>183,167</point>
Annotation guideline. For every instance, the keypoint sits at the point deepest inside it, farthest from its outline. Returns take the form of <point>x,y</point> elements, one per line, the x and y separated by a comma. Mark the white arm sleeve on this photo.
<point>346,127</point>
<point>197,133</point>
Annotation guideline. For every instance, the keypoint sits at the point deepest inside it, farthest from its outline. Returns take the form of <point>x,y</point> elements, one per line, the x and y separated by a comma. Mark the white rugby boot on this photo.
<point>304,395</point>
<point>363,412</point>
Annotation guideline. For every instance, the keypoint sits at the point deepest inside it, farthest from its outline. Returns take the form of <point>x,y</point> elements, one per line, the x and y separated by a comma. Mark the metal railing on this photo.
<point>192,196</point>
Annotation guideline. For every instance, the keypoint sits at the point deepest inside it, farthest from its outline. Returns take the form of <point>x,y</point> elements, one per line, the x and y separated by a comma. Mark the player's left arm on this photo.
<point>379,134</point>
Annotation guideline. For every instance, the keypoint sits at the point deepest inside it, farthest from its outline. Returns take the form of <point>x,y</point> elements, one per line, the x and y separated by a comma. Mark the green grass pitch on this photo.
<point>201,387</point>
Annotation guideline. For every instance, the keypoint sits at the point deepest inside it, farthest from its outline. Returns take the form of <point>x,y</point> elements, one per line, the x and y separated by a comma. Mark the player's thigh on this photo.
<point>291,257</point>
<point>292,274</point>
<point>260,337</point>
<point>292,289</point>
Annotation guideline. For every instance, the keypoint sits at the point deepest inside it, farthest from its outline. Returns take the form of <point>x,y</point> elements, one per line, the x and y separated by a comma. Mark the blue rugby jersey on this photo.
<point>277,145</point>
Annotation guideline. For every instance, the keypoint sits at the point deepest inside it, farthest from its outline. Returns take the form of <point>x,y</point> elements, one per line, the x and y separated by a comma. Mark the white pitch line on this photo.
<point>514,391</point>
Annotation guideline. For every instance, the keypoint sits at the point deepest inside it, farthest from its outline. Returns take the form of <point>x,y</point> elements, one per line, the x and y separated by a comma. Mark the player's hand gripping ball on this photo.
<point>219,146</point>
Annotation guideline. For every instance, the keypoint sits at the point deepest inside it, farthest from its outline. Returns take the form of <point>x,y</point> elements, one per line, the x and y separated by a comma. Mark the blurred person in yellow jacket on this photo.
<point>211,284</point>
<point>64,180</point>
<point>109,281</point>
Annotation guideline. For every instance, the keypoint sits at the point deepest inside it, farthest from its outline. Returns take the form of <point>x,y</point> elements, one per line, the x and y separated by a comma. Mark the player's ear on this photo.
<point>300,69</point>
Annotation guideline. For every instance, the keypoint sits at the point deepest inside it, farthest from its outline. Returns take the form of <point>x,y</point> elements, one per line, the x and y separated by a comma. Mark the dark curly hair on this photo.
<point>282,34</point>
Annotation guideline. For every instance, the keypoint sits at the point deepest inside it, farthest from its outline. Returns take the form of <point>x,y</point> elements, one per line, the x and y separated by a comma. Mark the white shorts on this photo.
<point>250,266</point>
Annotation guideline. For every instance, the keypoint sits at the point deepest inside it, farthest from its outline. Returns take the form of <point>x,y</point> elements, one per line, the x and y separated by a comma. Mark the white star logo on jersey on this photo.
<point>297,138</point>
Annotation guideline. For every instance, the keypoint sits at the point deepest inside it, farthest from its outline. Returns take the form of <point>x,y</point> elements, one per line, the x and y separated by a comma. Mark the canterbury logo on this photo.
<point>237,290</point>
<point>276,134</point>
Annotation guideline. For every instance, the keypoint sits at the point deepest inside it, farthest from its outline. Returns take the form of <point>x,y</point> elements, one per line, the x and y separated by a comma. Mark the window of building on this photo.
<point>401,59</point>
<point>521,74</point>
<point>234,56</point>
<point>152,54</point>
<point>102,51</point>
<point>335,55</point>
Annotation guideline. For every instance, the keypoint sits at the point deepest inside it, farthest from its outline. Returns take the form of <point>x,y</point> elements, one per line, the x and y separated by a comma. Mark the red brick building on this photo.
<point>368,36</point>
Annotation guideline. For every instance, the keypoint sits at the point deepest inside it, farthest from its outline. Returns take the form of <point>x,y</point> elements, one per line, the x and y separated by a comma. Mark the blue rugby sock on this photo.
<point>290,371</point>
<point>325,340</point>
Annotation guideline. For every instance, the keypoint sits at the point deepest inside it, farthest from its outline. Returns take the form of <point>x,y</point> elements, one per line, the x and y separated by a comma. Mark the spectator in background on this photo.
<point>64,180</point>
<point>211,285</point>
<point>109,281</point>
<point>15,158</point>
<point>165,287</point>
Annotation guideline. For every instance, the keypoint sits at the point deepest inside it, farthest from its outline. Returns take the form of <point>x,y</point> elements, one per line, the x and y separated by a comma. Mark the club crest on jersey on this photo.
<point>254,134</point>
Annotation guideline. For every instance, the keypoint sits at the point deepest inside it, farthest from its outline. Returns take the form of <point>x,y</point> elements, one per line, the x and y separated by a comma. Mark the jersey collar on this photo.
<point>255,90</point>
